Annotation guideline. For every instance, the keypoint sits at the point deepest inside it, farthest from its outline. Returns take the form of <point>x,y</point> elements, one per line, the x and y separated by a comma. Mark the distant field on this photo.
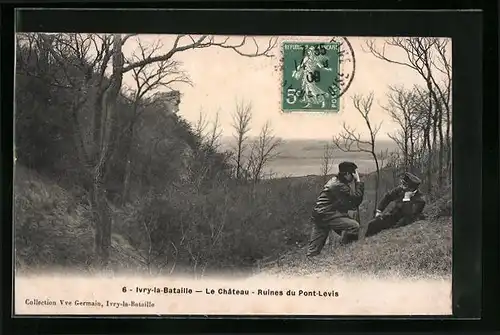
<point>305,157</point>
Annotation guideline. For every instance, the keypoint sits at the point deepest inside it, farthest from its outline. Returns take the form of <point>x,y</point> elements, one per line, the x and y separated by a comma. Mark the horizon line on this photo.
<point>307,138</point>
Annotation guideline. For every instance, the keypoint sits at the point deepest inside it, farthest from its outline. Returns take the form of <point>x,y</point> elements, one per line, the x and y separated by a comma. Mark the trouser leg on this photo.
<point>317,241</point>
<point>379,224</point>
<point>404,221</point>
<point>349,228</point>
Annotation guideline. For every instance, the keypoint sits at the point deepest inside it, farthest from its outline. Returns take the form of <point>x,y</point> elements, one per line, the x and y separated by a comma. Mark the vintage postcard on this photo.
<point>232,175</point>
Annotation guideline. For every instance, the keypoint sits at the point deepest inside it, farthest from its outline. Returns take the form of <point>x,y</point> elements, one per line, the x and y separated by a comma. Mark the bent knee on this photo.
<point>353,223</point>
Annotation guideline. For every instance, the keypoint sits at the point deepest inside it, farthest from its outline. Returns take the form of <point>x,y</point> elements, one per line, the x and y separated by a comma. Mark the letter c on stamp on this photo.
<point>316,74</point>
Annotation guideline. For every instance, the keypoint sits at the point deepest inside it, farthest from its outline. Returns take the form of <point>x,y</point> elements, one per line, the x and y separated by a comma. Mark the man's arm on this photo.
<point>388,198</point>
<point>348,199</point>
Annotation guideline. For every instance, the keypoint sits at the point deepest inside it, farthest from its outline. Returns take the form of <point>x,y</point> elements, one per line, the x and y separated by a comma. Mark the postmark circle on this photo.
<point>347,62</point>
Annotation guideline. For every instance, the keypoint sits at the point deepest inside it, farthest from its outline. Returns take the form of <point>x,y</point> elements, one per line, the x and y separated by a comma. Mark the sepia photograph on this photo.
<point>162,174</point>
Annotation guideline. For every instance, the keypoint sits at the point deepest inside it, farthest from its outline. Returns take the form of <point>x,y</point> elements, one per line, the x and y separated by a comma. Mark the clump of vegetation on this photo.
<point>50,228</point>
<point>53,230</point>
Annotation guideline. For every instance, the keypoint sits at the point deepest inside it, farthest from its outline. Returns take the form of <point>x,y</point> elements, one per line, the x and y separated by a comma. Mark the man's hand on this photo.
<point>356,176</point>
<point>378,213</point>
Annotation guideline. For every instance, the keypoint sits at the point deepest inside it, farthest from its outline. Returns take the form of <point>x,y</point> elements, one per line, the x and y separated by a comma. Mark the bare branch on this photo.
<point>381,53</point>
<point>350,141</point>
<point>203,41</point>
<point>126,37</point>
<point>201,125</point>
<point>216,133</point>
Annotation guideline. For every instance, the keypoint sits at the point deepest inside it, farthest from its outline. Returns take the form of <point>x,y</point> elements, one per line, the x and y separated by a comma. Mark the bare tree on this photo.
<point>262,151</point>
<point>426,155</point>
<point>429,57</point>
<point>242,118</point>
<point>148,78</point>
<point>96,95</point>
<point>394,163</point>
<point>383,156</point>
<point>210,144</point>
<point>403,108</point>
<point>209,137</point>
<point>350,141</point>
<point>200,127</point>
<point>327,161</point>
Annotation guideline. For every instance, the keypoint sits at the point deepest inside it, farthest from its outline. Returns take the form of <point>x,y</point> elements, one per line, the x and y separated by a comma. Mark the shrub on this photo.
<point>53,230</point>
<point>227,228</point>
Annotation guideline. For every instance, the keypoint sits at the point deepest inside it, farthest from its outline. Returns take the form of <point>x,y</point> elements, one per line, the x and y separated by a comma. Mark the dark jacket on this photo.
<point>404,211</point>
<point>336,200</point>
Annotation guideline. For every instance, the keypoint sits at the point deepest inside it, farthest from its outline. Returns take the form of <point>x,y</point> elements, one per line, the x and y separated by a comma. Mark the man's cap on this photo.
<point>411,179</point>
<point>349,167</point>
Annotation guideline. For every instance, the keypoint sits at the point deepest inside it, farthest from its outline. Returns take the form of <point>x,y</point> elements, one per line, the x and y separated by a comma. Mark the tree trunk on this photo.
<point>448,145</point>
<point>412,149</point>
<point>102,217</point>
<point>434,132</point>
<point>126,180</point>
<point>441,147</point>
<point>128,164</point>
<point>438,132</point>
<point>429,147</point>
<point>377,180</point>
<point>406,160</point>
<point>238,159</point>
<point>101,211</point>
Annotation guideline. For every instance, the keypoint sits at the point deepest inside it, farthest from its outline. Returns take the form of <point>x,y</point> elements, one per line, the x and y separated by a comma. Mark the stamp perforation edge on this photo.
<point>340,41</point>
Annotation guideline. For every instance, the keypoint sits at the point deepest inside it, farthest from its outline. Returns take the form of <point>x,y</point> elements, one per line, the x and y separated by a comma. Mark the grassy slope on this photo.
<point>51,227</point>
<point>421,249</point>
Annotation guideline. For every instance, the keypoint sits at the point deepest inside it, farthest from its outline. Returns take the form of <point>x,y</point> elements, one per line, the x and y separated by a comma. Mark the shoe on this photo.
<point>312,256</point>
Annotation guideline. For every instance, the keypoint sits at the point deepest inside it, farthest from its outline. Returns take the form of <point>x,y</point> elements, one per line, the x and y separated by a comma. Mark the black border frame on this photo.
<point>466,30</point>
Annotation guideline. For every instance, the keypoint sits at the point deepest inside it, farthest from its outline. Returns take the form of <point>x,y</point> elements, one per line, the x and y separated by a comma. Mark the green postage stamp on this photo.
<point>313,76</point>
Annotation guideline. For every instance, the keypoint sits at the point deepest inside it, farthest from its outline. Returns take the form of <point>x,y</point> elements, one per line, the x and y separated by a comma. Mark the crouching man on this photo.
<point>408,201</point>
<point>332,206</point>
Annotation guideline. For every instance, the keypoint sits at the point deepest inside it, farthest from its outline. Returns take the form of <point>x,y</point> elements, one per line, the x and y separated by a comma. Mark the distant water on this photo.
<point>286,168</point>
<point>305,157</point>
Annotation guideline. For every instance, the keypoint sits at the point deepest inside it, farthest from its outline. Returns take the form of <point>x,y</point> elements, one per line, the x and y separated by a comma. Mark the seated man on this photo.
<point>409,204</point>
<point>332,206</point>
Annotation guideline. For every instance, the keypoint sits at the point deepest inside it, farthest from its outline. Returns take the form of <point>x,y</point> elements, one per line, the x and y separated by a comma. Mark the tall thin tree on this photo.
<point>350,141</point>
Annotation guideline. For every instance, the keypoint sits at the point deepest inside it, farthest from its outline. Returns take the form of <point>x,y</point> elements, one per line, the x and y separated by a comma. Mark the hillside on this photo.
<point>423,249</point>
<point>53,230</point>
<point>418,250</point>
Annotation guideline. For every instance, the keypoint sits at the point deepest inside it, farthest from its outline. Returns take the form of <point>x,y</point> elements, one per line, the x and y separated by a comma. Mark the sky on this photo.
<point>221,78</point>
